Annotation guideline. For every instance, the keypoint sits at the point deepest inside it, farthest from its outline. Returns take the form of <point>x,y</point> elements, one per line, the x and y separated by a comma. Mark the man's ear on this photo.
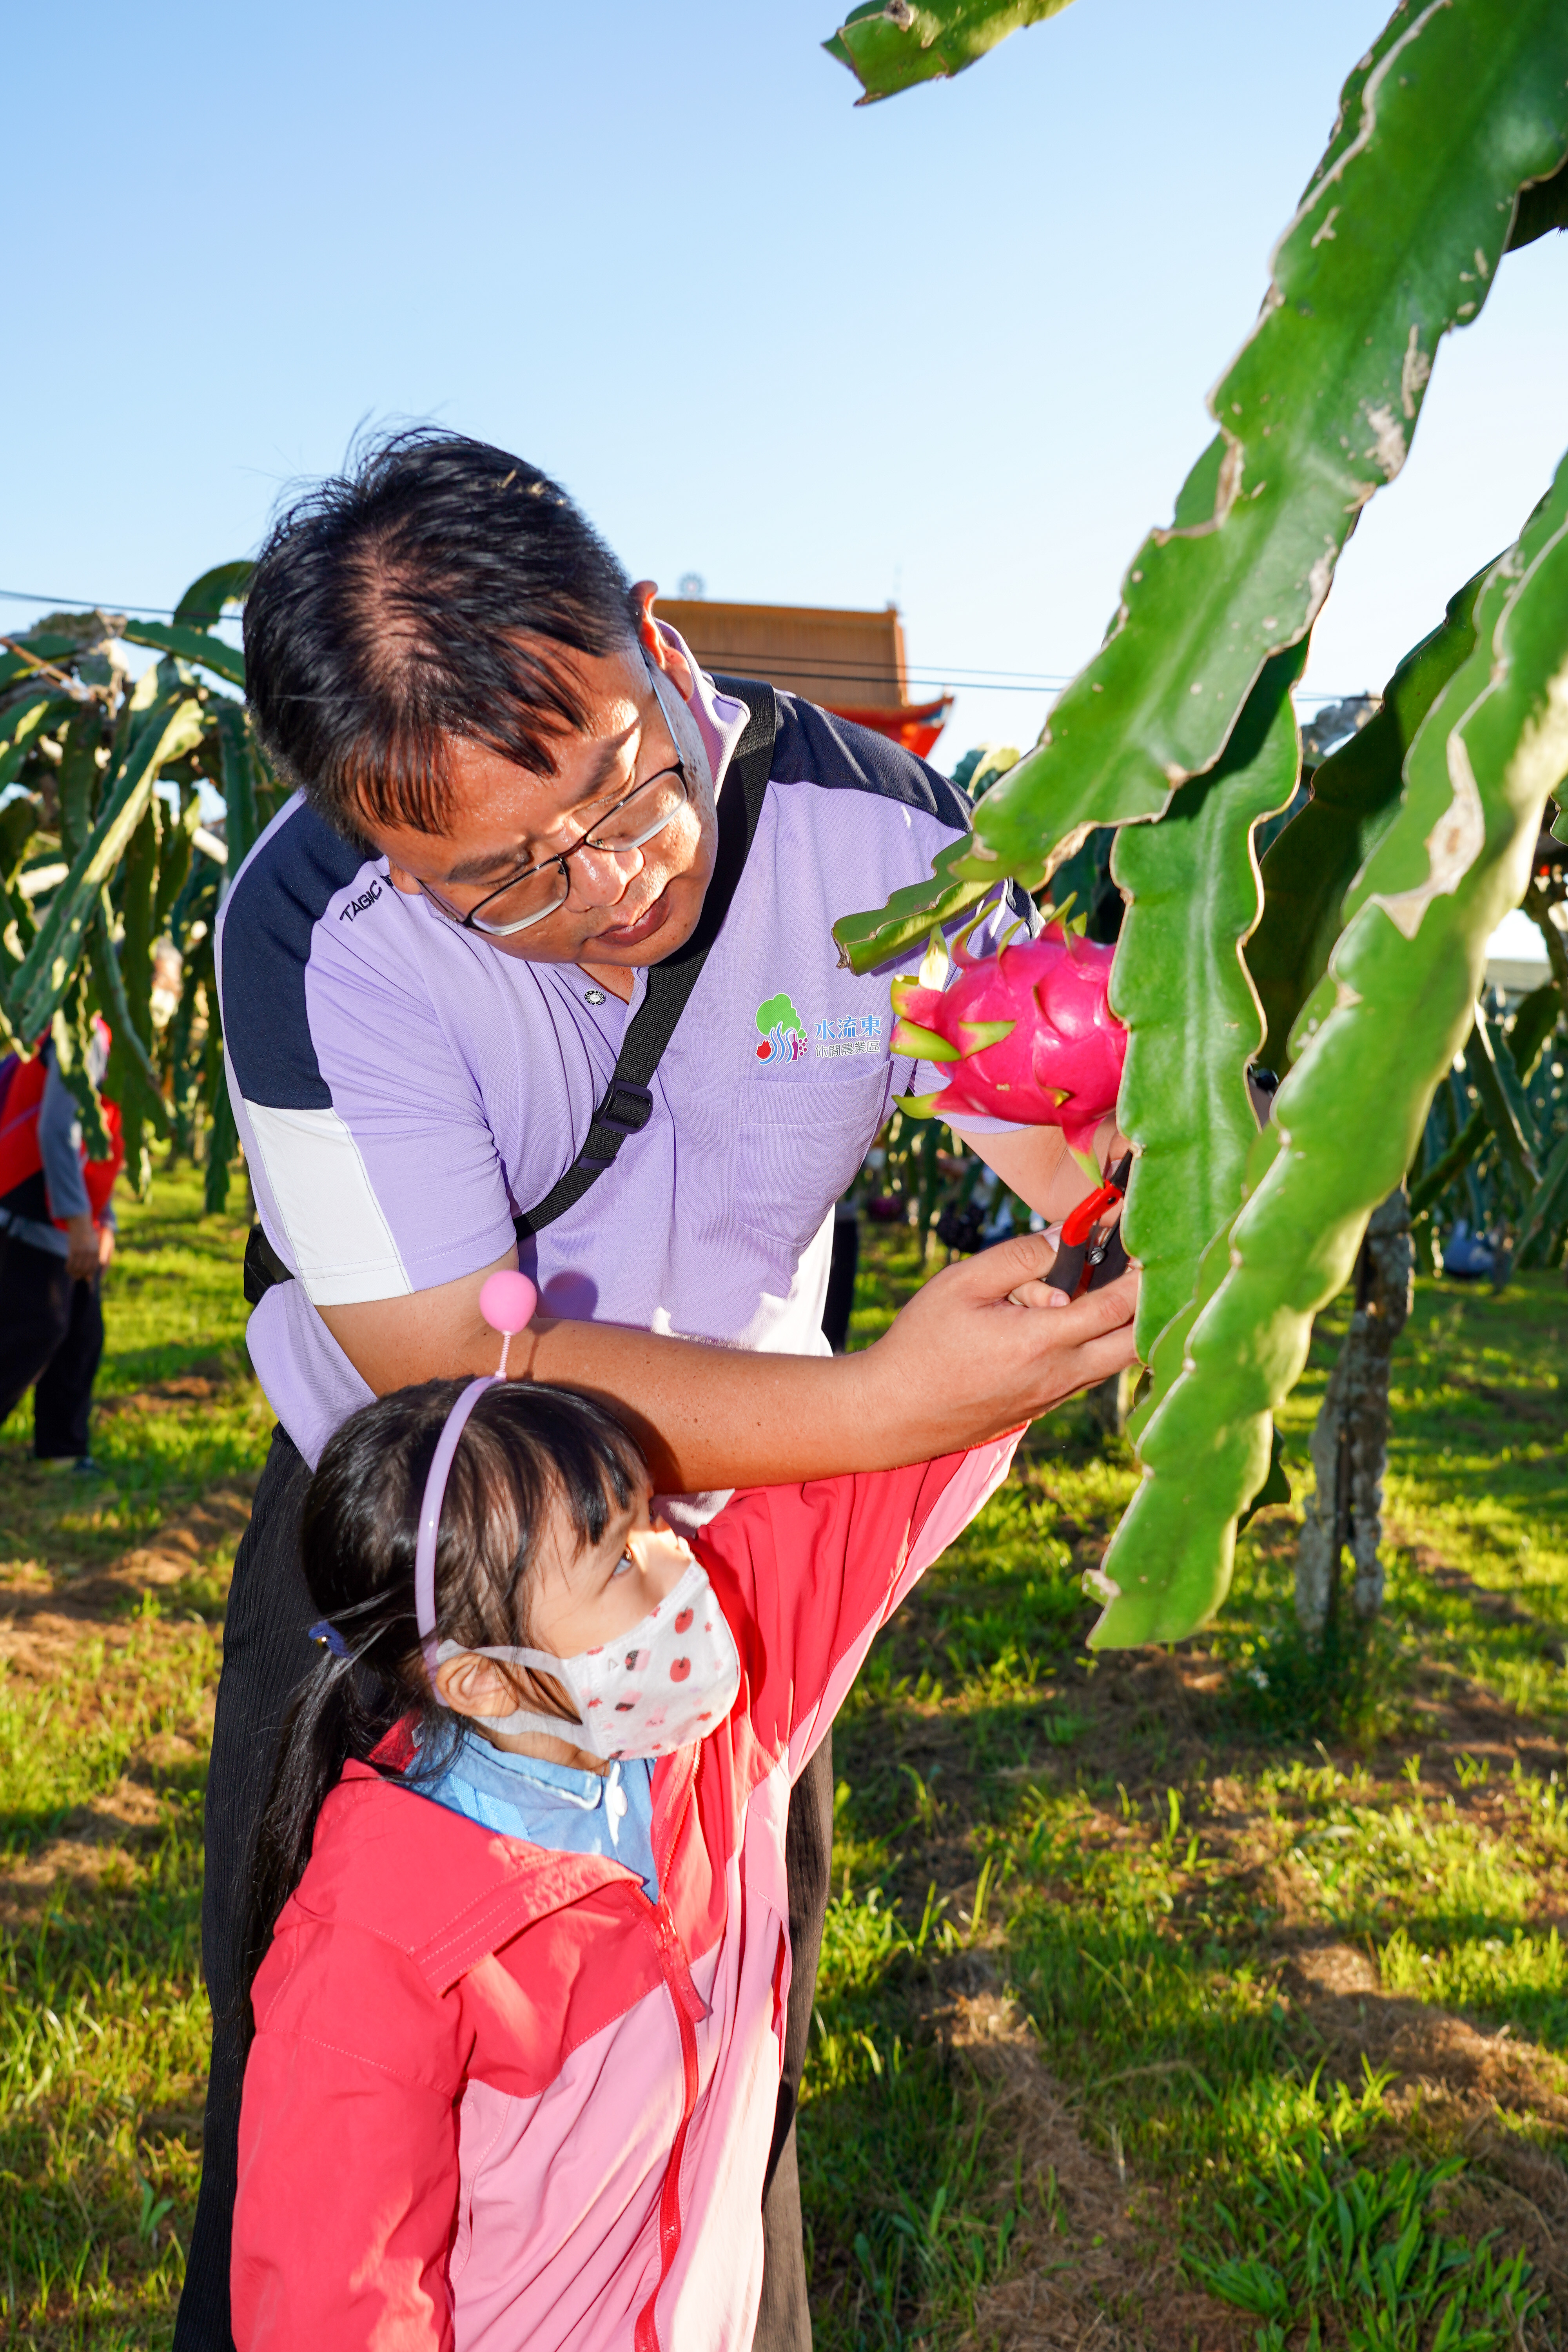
<point>656,647</point>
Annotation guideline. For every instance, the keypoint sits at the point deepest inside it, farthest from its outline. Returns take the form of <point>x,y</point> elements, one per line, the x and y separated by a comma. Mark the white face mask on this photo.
<point>667,1682</point>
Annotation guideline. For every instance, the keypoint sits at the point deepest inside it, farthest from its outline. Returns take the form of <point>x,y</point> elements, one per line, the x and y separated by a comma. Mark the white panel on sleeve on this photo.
<point>342,1245</point>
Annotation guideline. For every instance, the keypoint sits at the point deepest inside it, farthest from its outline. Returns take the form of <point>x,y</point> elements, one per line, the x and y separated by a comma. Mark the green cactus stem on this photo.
<point>189,645</point>
<point>1182,986</point>
<point>1355,797</point>
<point>1372,1045</point>
<point>866,941</point>
<point>1496,1082</point>
<point>891,45</point>
<point>1396,242</point>
<point>172,724</point>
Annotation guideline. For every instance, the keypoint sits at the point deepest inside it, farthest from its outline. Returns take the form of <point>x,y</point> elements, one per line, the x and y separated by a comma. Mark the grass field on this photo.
<point>1156,2011</point>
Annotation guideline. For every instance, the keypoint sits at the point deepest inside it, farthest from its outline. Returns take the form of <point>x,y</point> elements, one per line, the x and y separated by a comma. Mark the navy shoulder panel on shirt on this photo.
<point>267,919</point>
<point>813,747</point>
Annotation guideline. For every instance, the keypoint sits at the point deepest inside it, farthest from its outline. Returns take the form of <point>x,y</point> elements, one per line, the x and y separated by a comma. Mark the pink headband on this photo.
<point>507,1302</point>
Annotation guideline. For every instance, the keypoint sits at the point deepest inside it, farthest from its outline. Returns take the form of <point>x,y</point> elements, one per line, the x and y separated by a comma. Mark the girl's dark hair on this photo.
<point>419,595</point>
<point>526,1453</point>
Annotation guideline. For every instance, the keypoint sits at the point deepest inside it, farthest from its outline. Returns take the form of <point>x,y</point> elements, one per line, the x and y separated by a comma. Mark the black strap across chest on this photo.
<point>627,1104</point>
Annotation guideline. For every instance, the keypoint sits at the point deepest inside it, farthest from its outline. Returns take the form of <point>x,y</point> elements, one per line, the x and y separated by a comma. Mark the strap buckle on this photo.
<point>626,1107</point>
<point>626,1110</point>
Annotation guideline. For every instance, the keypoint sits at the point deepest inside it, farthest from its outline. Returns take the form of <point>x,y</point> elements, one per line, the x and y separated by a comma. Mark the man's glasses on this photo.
<point>539,890</point>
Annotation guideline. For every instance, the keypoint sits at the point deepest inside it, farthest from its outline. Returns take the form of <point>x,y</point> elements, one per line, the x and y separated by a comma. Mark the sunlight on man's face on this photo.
<point>625,907</point>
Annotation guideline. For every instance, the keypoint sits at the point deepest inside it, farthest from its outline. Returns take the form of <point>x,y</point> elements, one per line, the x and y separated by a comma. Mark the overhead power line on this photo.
<point>965,679</point>
<point>128,605</point>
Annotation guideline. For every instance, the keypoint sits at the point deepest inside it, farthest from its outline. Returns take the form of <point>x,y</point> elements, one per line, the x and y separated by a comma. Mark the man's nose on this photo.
<point>600,876</point>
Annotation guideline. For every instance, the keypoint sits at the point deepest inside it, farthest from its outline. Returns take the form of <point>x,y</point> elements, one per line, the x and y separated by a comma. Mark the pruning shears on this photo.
<point>1090,1253</point>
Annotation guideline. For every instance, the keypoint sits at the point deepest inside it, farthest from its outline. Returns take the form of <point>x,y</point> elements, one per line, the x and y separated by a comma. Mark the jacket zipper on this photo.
<point>688,2009</point>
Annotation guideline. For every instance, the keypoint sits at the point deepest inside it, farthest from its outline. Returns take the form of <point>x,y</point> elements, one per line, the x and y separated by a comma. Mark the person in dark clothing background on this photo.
<point>56,1236</point>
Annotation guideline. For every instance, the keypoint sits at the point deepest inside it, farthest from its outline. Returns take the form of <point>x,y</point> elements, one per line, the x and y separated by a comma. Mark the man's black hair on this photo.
<point>421,596</point>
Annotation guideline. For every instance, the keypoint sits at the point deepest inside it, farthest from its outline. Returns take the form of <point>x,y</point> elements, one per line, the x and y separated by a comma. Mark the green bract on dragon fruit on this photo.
<point>1027,1033</point>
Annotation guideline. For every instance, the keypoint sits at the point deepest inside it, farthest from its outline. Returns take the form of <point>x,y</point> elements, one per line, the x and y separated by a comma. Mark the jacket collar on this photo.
<point>443,1890</point>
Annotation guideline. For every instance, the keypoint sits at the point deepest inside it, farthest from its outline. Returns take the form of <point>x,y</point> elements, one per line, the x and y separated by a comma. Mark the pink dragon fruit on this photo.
<point>1028,1033</point>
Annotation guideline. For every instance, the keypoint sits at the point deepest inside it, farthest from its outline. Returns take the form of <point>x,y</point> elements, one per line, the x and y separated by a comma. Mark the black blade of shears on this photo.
<point>1068,1271</point>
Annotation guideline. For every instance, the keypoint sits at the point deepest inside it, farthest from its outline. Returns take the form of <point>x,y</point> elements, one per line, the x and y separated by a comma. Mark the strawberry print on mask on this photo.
<point>662,1687</point>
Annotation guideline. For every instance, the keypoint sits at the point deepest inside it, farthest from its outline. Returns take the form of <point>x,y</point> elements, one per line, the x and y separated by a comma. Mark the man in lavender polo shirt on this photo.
<point>428,966</point>
<point>402,1090</point>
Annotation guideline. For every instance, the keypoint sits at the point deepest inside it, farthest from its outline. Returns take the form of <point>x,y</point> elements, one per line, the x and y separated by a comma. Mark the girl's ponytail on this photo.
<point>329,1721</point>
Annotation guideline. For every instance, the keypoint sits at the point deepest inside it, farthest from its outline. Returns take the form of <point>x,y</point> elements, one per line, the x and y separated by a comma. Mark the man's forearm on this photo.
<point>712,1416</point>
<point>961,1364</point>
<point>707,1416</point>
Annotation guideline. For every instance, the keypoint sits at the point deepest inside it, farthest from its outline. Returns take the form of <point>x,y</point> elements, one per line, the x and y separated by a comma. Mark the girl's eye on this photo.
<point>624,1562</point>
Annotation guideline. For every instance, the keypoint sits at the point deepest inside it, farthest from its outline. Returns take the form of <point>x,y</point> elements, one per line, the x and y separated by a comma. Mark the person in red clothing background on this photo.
<point>56,1236</point>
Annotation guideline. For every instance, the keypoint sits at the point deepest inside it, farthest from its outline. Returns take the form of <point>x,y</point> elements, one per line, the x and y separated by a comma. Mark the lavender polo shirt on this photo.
<point>401,1089</point>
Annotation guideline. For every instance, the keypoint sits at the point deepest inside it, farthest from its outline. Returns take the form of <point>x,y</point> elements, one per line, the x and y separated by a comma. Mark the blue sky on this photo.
<point>952,349</point>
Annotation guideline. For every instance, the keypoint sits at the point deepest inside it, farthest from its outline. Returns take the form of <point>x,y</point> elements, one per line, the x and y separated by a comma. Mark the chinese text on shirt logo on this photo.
<point>849,1032</point>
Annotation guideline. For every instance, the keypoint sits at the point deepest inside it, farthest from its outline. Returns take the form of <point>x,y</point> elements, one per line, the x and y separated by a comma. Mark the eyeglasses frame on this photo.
<point>470,922</point>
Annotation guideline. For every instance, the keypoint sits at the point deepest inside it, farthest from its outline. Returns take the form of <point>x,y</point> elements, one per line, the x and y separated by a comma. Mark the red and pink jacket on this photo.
<point>497,2098</point>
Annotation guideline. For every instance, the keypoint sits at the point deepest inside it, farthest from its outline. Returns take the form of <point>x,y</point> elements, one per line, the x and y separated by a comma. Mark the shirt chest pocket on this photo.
<point>800,1145</point>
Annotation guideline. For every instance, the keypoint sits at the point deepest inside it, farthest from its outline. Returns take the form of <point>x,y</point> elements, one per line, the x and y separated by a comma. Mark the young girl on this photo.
<point>521,1913</point>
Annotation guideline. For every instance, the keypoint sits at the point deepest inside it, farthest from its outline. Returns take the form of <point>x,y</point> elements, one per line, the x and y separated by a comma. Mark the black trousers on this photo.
<point>838,1305</point>
<point>51,1341</point>
<point>265,1652</point>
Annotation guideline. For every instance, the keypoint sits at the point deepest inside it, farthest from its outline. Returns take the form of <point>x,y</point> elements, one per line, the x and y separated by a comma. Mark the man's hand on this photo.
<point>81,1253</point>
<point>964,1361</point>
<point>105,1245</point>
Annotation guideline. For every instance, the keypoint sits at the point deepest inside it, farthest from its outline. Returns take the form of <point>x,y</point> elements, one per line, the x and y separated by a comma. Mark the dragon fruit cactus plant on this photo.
<point>1028,1034</point>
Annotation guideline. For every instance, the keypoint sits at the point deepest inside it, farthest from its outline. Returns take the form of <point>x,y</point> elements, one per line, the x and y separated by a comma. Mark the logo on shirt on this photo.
<point>781,1030</point>
<point>356,907</point>
<point>849,1032</point>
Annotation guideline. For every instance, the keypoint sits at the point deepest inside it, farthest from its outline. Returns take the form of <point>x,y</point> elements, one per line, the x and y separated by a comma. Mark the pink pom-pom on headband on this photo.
<point>508,1302</point>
